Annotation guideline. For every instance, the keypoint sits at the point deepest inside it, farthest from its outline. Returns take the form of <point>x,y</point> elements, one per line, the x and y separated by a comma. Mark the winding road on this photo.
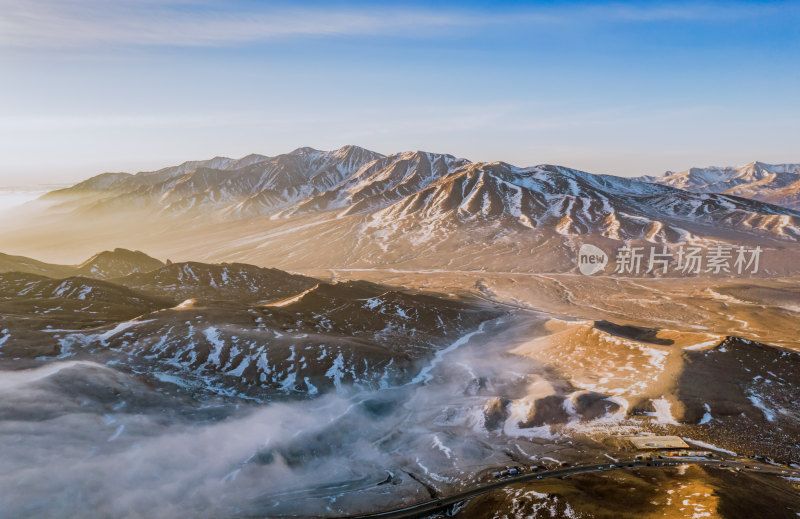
<point>437,505</point>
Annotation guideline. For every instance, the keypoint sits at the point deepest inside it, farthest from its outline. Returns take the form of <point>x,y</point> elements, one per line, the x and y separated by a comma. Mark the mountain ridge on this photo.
<point>416,209</point>
<point>350,178</point>
<point>777,184</point>
<point>237,329</point>
<point>102,265</point>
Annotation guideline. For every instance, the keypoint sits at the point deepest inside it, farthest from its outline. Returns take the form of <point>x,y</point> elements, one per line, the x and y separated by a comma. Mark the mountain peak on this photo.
<point>347,148</point>
<point>117,263</point>
<point>303,150</point>
<point>353,180</point>
<point>772,183</point>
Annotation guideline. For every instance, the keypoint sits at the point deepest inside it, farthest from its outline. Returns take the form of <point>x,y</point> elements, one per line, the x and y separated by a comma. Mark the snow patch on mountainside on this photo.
<point>773,183</point>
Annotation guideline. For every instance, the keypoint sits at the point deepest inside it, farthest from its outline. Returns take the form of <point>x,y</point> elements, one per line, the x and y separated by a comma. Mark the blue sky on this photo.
<point>622,88</point>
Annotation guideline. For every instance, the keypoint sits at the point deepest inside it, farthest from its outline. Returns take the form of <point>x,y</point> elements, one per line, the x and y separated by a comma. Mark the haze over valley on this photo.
<point>326,333</point>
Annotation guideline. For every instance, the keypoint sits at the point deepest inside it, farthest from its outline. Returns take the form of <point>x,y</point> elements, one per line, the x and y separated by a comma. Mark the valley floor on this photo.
<point>536,371</point>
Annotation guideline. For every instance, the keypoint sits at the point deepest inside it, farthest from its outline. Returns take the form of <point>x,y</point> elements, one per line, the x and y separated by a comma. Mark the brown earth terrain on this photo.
<point>338,332</point>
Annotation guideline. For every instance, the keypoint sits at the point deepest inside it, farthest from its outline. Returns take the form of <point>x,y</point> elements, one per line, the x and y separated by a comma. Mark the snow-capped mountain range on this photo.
<point>373,209</point>
<point>774,183</point>
<point>428,185</point>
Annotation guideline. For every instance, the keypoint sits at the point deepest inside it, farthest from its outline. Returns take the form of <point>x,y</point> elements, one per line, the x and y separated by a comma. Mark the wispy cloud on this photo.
<point>89,23</point>
<point>61,122</point>
<point>75,24</point>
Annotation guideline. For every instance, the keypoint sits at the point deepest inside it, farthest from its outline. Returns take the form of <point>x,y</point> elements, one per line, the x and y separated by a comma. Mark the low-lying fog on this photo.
<point>82,439</point>
<point>12,197</point>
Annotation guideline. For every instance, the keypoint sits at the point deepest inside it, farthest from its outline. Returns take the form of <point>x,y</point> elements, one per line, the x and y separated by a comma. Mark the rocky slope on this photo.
<point>235,329</point>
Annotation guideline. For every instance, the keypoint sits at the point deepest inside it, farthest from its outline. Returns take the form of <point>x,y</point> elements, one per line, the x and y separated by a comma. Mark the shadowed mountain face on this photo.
<point>408,210</point>
<point>234,329</point>
<point>237,281</point>
<point>10,263</point>
<point>103,265</point>
<point>72,299</point>
<point>117,263</point>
